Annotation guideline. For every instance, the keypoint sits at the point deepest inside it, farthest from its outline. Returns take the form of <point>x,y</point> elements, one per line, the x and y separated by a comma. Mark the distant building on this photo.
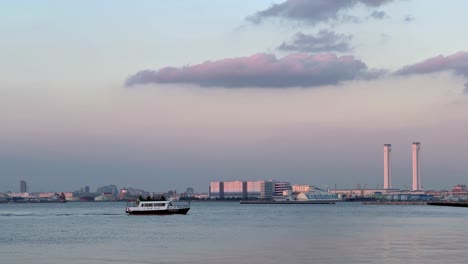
<point>109,189</point>
<point>267,190</point>
<point>23,187</point>
<point>280,187</point>
<point>86,189</point>
<point>123,193</point>
<point>254,188</point>
<point>189,192</point>
<point>245,189</point>
<point>409,197</point>
<point>216,190</point>
<point>460,190</point>
<point>21,194</point>
<point>362,192</point>
<point>301,188</point>
<point>135,192</point>
<point>202,196</point>
<point>234,189</point>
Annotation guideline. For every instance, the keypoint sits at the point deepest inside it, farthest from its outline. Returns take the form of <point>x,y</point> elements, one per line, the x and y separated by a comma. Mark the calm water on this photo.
<point>233,233</point>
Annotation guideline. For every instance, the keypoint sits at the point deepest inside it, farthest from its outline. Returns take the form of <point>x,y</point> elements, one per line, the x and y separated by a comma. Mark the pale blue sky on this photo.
<point>67,120</point>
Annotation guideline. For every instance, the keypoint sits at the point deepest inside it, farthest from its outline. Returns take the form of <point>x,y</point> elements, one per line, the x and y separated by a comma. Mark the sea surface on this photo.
<point>228,232</point>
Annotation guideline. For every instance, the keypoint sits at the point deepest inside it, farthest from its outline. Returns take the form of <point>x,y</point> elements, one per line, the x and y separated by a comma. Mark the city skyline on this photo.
<point>165,95</point>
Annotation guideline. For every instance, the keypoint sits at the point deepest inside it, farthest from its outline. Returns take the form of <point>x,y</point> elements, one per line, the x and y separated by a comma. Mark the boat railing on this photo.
<point>180,205</point>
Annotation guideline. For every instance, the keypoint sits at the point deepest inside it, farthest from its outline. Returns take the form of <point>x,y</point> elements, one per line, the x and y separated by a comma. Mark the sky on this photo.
<point>165,95</point>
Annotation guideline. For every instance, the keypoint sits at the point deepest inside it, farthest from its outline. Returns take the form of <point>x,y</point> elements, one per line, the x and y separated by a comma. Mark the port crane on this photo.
<point>361,190</point>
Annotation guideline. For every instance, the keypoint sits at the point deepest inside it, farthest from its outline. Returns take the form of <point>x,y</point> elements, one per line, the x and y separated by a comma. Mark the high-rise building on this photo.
<point>416,166</point>
<point>23,186</point>
<point>387,166</point>
<point>86,189</point>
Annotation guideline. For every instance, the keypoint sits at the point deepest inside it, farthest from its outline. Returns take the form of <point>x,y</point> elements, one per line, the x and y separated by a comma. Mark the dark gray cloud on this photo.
<point>378,15</point>
<point>324,41</point>
<point>262,70</point>
<point>456,63</point>
<point>409,19</point>
<point>311,11</point>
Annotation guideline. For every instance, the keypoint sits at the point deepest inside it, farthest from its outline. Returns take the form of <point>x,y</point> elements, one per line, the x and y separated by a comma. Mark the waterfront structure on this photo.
<point>246,189</point>
<point>216,190</point>
<point>23,186</point>
<point>316,197</point>
<point>460,190</point>
<point>387,166</point>
<point>229,189</point>
<point>280,187</point>
<point>109,189</point>
<point>267,189</point>
<point>235,189</point>
<point>404,196</point>
<point>254,189</point>
<point>362,192</point>
<point>416,166</point>
<point>299,188</point>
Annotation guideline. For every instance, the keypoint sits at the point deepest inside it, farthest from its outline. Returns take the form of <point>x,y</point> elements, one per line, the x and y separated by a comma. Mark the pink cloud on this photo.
<point>456,63</point>
<point>262,70</point>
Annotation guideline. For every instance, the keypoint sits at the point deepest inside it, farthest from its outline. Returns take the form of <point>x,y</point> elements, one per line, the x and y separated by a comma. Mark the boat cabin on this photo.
<point>154,204</point>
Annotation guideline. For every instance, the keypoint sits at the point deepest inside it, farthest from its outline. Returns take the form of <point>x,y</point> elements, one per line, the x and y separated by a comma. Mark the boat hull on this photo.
<point>455,204</point>
<point>182,211</point>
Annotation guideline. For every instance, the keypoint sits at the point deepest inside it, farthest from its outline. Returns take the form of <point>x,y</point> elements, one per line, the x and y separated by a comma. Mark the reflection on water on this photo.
<point>233,233</point>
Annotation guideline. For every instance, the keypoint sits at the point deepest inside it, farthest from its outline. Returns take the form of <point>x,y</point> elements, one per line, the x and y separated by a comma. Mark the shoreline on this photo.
<point>286,202</point>
<point>396,203</point>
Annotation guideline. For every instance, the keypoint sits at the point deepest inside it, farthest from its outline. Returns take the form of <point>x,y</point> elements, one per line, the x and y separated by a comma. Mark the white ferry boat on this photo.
<point>157,208</point>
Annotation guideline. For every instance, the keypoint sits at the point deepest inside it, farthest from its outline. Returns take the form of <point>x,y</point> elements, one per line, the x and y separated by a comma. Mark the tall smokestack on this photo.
<point>417,166</point>
<point>387,149</point>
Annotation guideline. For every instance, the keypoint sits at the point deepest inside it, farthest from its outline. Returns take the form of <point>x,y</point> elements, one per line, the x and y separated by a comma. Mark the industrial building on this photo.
<point>261,189</point>
<point>280,187</point>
